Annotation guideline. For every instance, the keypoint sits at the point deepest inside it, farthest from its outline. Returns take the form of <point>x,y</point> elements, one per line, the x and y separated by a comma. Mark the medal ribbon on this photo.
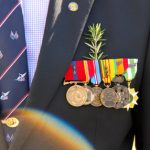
<point>130,73</point>
<point>69,73</point>
<point>108,70</point>
<point>86,69</point>
<point>76,71</point>
<point>96,79</point>
<point>122,65</point>
<point>91,68</point>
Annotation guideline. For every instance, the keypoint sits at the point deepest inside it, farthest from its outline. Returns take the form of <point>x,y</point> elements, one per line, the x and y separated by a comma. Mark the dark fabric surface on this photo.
<point>127,32</point>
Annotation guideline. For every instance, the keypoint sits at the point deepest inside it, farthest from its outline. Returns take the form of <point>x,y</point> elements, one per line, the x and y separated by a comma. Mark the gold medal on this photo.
<point>97,92</point>
<point>109,97</point>
<point>90,95</point>
<point>76,96</point>
<point>11,122</point>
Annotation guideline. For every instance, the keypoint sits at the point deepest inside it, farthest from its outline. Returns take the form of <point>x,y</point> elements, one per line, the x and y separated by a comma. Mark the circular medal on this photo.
<point>11,122</point>
<point>123,96</point>
<point>97,92</point>
<point>90,95</point>
<point>108,97</point>
<point>76,95</point>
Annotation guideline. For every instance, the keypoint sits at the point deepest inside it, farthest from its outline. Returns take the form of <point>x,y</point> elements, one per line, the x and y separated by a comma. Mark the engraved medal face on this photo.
<point>109,97</point>
<point>90,95</point>
<point>123,96</point>
<point>76,96</point>
<point>97,92</point>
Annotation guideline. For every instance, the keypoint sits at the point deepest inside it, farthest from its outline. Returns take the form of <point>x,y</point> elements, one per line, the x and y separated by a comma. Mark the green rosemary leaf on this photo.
<point>92,50</point>
<point>91,56</point>
<point>95,40</point>
<point>100,55</point>
<point>91,46</point>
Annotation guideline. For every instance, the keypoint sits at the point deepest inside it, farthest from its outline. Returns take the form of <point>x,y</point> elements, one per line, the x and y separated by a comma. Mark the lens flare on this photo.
<point>55,127</point>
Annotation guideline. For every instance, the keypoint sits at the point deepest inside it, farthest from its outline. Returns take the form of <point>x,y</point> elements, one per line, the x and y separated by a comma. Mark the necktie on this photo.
<point>13,61</point>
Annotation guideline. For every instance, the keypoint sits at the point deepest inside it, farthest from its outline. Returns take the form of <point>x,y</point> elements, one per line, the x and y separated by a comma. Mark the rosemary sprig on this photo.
<point>95,41</point>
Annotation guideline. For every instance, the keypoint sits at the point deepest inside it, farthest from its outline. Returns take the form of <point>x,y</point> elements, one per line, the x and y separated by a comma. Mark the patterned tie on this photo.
<point>14,86</point>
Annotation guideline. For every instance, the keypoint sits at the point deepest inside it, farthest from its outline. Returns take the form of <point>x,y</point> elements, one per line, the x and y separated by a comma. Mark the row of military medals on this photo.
<point>115,91</point>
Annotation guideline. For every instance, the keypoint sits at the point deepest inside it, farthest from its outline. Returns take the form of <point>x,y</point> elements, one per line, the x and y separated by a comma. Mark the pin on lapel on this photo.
<point>73,6</point>
<point>11,122</point>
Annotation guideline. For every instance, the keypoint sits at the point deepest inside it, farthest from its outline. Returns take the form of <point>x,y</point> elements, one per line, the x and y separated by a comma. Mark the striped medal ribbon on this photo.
<point>131,71</point>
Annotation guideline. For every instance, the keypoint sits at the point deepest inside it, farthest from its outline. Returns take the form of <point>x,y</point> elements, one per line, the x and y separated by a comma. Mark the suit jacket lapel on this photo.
<point>62,34</point>
<point>3,144</point>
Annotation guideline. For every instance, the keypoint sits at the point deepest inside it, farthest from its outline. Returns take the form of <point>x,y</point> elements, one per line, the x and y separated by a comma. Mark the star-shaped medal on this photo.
<point>133,99</point>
